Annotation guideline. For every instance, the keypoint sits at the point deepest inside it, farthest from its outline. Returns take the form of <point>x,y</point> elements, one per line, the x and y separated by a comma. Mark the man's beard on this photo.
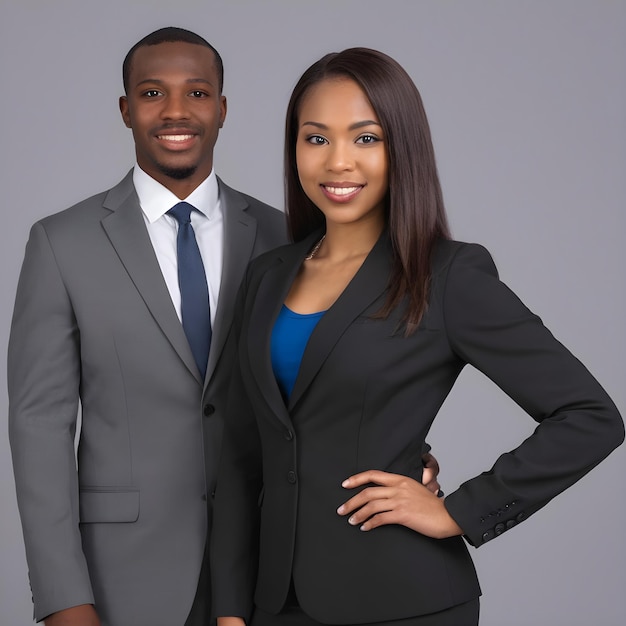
<point>178,173</point>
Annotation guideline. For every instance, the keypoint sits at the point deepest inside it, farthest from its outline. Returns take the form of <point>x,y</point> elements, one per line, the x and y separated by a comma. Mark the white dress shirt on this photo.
<point>207,222</point>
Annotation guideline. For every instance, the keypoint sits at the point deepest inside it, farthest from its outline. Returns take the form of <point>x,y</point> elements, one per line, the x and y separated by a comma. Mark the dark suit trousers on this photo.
<point>462,615</point>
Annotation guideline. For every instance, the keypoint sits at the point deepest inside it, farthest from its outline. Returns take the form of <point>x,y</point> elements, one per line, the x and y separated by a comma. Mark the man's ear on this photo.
<point>223,110</point>
<point>124,111</point>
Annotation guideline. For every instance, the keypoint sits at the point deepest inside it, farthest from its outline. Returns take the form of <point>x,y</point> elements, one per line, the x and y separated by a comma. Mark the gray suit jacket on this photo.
<point>94,326</point>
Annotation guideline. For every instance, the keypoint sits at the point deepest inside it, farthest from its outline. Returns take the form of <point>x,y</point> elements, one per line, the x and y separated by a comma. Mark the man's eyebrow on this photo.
<point>190,81</point>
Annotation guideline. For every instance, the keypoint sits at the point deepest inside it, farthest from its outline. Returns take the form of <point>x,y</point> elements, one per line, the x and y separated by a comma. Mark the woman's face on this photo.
<point>341,154</point>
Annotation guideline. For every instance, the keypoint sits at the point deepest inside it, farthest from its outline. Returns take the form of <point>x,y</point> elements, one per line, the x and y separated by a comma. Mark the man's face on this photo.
<point>175,110</point>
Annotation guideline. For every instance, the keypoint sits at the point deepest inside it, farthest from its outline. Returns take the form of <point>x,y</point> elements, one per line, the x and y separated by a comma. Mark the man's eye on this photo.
<point>151,93</point>
<point>198,94</point>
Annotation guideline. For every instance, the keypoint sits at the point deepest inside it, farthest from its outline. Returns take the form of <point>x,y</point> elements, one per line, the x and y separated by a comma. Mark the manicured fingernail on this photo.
<point>340,510</point>
<point>346,482</point>
<point>352,521</point>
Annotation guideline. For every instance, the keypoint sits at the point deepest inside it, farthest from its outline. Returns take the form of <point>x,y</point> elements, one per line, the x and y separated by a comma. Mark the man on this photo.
<point>120,540</point>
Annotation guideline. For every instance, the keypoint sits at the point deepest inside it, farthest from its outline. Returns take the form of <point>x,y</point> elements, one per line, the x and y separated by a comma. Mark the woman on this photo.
<point>349,341</point>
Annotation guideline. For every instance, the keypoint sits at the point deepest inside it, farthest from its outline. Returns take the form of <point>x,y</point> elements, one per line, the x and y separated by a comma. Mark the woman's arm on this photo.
<point>579,425</point>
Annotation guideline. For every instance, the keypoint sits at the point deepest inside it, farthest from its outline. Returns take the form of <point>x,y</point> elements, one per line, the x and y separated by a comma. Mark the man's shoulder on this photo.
<point>265,214</point>
<point>270,222</point>
<point>75,210</point>
<point>254,206</point>
<point>89,209</point>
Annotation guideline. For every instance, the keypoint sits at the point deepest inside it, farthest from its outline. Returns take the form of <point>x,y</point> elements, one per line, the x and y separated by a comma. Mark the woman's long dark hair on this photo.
<point>415,212</point>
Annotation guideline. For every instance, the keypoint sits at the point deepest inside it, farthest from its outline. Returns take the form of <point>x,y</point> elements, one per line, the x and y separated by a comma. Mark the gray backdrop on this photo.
<point>527,103</point>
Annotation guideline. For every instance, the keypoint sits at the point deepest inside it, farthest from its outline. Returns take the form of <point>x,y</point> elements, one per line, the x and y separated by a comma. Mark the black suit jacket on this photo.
<point>365,398</point>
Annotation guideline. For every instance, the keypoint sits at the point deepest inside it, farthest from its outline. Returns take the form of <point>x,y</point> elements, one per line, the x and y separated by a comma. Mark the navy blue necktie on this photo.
<point>194,293</point>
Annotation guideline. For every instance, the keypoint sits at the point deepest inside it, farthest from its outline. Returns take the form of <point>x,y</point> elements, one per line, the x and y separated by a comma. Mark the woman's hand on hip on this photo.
<point>396,499</point>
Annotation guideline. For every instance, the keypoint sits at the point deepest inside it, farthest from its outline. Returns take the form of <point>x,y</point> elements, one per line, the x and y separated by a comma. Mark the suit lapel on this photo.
<point>268,300</point>
<point>368,284</point>
<point>240,230</point>
<point>126,230</point>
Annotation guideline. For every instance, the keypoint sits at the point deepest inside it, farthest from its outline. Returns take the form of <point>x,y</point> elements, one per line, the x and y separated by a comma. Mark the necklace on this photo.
<point>316,249</point>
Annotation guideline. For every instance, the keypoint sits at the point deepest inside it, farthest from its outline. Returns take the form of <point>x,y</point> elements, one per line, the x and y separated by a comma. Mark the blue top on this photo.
<point>289,338</point>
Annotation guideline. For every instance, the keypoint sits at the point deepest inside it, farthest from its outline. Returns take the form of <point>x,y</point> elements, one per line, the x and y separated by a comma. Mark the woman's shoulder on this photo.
<point>448,253</point>
<point>287,253</point>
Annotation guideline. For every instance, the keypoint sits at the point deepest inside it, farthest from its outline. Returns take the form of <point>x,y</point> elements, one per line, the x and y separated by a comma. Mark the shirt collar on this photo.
<point>155,199</point>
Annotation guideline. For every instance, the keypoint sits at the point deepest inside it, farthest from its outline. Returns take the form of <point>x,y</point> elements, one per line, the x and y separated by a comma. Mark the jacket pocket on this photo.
<point>108,504</point>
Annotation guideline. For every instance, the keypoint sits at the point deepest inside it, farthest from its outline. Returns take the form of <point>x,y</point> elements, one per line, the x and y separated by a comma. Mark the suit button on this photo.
<point>291,477</point>
<point>520,516</point>
<point>488,535</point>
<point>511,523</point>
<point>499,529</point>
<point>288,435</point>
<point>208,409</point>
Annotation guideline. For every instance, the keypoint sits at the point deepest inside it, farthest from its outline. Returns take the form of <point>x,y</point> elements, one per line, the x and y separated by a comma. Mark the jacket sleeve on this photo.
<point>43,383</point>
<point>236,518</point>
<point>578,424</point>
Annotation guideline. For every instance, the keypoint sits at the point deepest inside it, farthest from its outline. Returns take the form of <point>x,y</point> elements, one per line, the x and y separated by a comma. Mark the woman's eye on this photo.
<point>316,140</point>
<point>367,139</point>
